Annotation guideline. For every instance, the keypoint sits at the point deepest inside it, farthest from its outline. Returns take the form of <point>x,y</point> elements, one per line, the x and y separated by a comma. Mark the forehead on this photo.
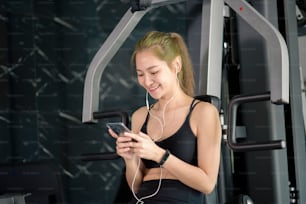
<point>147,59</point>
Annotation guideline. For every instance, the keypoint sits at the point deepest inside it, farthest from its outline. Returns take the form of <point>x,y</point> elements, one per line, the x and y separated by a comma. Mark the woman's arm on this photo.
<point>206,124</point>
<point>135,168</point>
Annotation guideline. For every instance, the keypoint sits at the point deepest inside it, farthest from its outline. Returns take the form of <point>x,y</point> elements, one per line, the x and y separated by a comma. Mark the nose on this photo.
<point>147,80</point>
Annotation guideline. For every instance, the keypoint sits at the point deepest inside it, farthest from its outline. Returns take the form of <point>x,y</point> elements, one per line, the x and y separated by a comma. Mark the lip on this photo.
<point>152,90</point>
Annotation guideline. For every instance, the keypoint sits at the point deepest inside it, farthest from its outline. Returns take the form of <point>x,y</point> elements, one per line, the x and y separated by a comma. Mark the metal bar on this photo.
<point>279,70</point>
<point>231,141</point>
<point>296,106</point>
<point>165,2</point>
<point>124,117</point>
<point>98,156</point>
<point>112,44</point>
<point>211,48</point>
<point>102,58</point>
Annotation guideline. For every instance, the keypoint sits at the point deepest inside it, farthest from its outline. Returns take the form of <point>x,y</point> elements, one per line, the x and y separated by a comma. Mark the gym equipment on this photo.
<point>274,87</point>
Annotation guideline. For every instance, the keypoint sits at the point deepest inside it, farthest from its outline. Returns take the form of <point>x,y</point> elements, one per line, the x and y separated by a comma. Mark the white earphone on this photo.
<point>147,101</point>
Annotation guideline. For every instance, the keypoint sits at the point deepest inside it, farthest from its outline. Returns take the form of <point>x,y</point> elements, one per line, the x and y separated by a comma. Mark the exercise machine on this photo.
<point>250,41</point>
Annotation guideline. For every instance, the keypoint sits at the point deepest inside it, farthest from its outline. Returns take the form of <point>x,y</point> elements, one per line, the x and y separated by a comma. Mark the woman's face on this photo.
<point>154,74</point>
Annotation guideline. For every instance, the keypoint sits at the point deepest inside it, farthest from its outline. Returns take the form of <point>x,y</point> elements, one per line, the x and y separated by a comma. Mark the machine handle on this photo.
<point>231,141</point>
<point>98,156</point>
<point>124,117</point>
<point>111,114</point>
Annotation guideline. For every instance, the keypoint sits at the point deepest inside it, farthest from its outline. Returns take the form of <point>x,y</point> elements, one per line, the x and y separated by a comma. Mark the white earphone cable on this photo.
<point>140,200</point>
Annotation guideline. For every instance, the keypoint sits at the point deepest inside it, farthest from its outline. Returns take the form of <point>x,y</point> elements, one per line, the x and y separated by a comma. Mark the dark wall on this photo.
<point>46,47</point>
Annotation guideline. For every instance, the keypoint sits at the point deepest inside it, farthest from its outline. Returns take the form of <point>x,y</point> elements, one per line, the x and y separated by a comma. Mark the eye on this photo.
<point>154,72</point>
<point>139,74</point>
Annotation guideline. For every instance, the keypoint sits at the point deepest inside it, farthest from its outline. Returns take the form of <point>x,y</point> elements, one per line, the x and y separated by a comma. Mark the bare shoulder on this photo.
<point>142,111</point>
<point>205,109</point>
<point>138,118</point>
<point>205,120</point>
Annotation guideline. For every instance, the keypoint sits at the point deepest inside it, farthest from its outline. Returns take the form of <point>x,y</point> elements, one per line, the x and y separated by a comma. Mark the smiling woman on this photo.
<point>172,154</point>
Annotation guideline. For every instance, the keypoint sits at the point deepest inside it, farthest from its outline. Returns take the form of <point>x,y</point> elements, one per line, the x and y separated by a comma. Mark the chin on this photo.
<point>155,96</point>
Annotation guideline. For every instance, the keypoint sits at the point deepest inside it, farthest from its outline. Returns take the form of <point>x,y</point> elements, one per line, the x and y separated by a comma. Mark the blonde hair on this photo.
<point>167,46</point>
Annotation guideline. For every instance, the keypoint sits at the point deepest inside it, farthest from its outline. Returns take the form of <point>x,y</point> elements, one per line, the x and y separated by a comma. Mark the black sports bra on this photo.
<point>182,144</point>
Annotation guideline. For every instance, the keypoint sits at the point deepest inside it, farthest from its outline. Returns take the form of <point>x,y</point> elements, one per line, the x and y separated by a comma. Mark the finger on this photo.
<point>144,135</point>
<point>123,139</point>
<point>123,152</point>
<point>112,133</point>
<point>123,146</point>
<point>133,136</point>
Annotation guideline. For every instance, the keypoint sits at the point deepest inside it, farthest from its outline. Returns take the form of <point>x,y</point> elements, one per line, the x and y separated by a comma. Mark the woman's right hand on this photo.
<point>123,145</point>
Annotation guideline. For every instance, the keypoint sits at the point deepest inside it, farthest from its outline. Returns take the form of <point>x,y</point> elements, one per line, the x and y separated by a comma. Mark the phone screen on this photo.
<point>118,127</point>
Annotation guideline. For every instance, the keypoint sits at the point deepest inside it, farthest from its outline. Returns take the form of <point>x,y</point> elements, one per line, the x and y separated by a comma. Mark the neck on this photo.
<point>170,102</point>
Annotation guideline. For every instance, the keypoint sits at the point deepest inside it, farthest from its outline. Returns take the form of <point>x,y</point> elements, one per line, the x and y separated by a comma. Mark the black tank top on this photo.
<point>182,144</point>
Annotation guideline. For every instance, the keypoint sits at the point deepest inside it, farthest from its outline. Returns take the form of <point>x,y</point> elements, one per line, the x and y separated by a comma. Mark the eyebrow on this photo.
<point>148,68</point>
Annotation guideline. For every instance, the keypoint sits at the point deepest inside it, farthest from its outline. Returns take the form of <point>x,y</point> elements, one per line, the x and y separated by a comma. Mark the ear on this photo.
<point>177,64</point>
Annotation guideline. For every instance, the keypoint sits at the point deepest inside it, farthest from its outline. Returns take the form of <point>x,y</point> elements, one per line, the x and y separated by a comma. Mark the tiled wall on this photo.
<point>45,49</point>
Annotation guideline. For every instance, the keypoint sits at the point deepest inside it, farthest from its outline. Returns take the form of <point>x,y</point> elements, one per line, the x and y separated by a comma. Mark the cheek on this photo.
<point>140,81</point>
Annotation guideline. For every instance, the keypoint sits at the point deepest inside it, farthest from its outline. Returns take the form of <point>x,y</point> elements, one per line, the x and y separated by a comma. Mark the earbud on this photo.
<point>147,101</point>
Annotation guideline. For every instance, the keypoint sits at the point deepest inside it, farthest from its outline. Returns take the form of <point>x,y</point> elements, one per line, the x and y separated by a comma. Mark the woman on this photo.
<point>172,154</point>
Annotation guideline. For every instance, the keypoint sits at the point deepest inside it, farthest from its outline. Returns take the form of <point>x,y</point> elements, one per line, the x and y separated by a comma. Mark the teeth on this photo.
<point>153,88</point>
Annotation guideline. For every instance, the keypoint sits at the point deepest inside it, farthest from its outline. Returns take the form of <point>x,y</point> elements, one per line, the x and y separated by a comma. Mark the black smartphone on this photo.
<point>118,127</point>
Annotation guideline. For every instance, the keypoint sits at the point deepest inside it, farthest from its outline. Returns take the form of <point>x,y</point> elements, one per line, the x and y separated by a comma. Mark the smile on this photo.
<point>151,90</point>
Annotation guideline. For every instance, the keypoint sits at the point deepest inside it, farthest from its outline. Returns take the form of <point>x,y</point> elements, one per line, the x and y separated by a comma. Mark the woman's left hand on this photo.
<point>145,147</point>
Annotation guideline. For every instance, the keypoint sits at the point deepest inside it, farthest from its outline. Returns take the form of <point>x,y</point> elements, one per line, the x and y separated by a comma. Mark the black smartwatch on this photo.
<point>164,158</point>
